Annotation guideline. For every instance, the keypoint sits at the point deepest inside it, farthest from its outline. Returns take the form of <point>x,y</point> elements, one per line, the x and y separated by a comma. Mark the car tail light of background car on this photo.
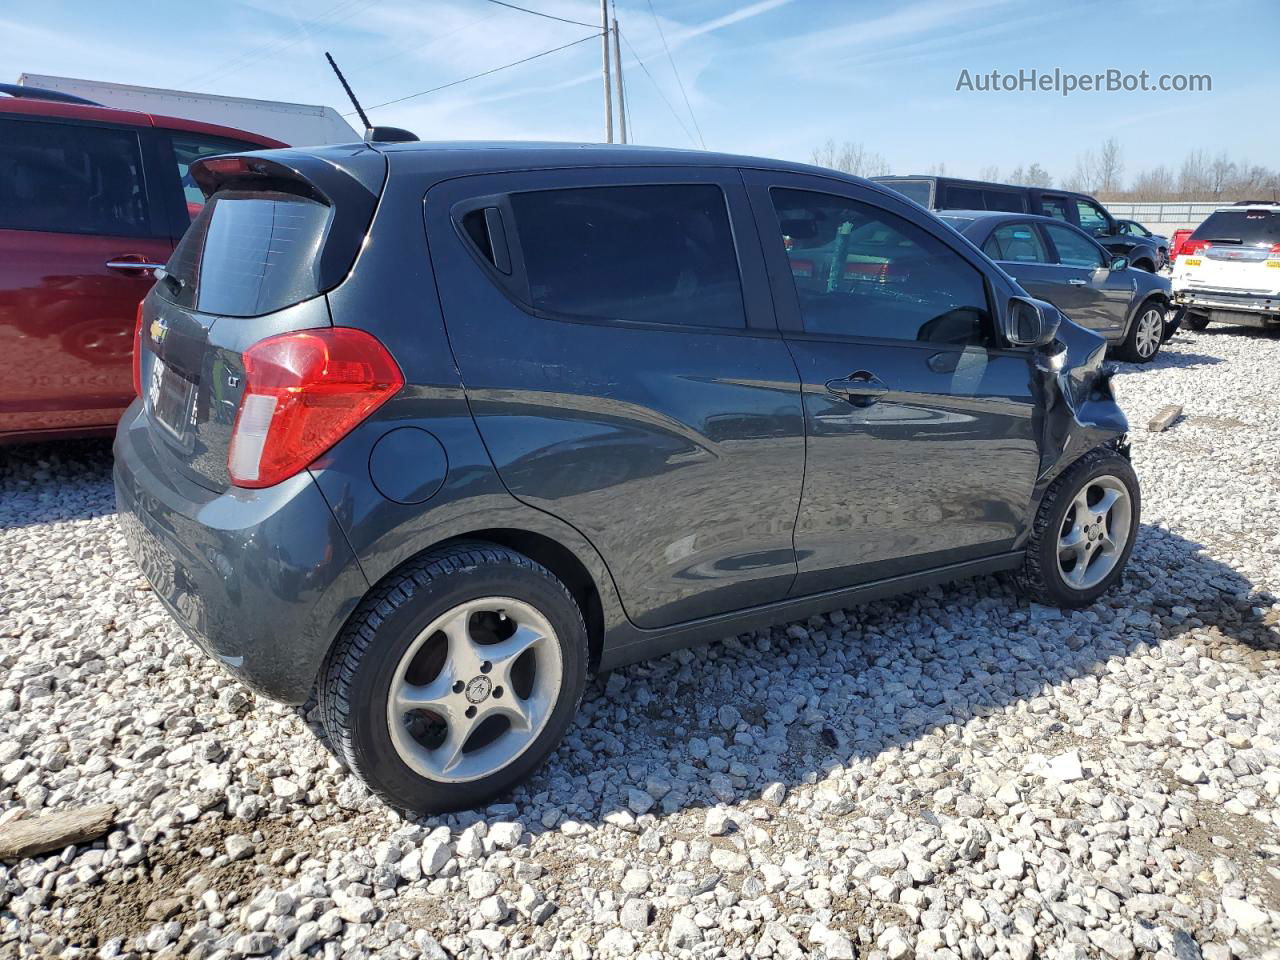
<point>304,392</point>
<point>137,352</point>
<point>1175,244</point>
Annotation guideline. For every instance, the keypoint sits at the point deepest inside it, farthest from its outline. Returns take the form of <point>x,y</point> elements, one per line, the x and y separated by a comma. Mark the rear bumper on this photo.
<point>260,580</point>
<point>1227,306</point>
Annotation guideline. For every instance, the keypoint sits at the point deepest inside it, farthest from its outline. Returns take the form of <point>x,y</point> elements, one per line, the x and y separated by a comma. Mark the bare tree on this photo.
<point>1155,184</point>
<point>1221,172</point>
<point>1109,171</point>
<point>849,157</point>
<point>1037,176</point>
<point>1083,177</point>
<point>1193,177</point>
<point>990,172</point>
<point>937,170</point>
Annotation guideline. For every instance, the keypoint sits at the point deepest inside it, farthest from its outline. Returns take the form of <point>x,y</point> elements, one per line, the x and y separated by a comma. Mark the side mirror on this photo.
<point>1031,323</point>
<point>1120,263</point>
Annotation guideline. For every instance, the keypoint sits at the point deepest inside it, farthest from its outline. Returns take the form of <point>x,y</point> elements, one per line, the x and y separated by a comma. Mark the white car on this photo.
<point>1229,269</point>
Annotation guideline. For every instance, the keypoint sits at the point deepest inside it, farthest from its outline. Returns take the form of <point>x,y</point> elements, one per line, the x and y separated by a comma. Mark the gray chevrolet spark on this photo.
<point>434,432</point>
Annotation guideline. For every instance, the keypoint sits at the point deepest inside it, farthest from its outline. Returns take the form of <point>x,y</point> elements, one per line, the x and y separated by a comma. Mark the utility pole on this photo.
<point>617,67</point>
<point>604,49</point>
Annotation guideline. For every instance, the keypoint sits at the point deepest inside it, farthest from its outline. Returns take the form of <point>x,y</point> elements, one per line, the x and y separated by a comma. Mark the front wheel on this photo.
<point>1083,532</point>
<point>1146,333</point>
<point>455,678</point>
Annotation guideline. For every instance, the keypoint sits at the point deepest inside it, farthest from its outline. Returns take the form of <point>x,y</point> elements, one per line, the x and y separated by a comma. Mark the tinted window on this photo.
<point>1054,207</point>
<point>659,254</point>
<point>1004,200</point>
<point>1073,249</point>
<point>72,178</point>
<point>1249,227</point>
<point>1016,241</point>
<point>190,147</point>
<point>247,254</point>
<point>863,272</point>
<point>917,190</point>
<point>1092,220</point>
<point>961,198</point>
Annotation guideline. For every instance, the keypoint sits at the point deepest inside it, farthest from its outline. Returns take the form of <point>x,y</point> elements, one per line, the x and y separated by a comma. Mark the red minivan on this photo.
<point>92,199</point>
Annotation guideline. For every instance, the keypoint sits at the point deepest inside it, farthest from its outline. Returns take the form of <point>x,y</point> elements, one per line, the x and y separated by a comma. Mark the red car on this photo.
<point>92,199</point>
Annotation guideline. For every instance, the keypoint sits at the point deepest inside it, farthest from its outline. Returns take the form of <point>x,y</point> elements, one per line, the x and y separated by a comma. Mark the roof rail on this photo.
<point>23,92</point>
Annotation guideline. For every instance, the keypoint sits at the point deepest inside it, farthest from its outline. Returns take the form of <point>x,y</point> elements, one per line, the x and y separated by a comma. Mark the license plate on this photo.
<point>170,398</point>
<point>1193,262</point>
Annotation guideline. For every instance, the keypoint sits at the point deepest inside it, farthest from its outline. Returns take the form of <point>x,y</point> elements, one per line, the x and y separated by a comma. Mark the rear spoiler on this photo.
<point>349,183</point>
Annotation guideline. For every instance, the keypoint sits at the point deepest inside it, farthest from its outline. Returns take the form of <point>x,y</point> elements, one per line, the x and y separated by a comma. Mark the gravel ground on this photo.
<point>955,773</point>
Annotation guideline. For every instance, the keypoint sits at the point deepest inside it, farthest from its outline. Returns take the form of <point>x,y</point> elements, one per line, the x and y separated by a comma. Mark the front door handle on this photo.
<point>861,388</point>
<point>1078,283</point>
<point>120,263</point>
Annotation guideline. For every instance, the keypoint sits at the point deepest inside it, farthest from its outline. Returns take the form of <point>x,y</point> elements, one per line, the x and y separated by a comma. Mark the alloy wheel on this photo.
<point>474,690</point>
<point>1094,532</point>
<point>1150,329</point>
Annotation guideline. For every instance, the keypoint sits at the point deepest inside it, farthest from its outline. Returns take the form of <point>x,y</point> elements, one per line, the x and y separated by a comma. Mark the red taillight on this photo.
<point>303,393</point>
<point>137,353</point>
<point>1275,248</point>
<point>1191,247</point>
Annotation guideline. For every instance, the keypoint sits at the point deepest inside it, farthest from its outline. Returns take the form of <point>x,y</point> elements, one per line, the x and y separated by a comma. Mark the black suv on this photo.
<point>1079,209</point>
<point>437,431</point>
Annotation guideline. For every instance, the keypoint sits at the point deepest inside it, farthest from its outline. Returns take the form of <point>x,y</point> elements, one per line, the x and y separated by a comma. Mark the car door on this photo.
<point>77,227</point>
<point>1101,295</point>
<point>616,339</point>
<point>922,448</point>
<point>1022,252</point>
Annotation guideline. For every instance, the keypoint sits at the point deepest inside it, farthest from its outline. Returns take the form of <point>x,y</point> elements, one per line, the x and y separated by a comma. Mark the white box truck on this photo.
<point>297,124</point>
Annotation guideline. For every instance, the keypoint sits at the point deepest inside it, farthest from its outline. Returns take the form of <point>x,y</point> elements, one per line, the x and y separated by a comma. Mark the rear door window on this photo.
<point>961,198</point>
<point>651,253</point>
<point>1019,242</point>
<point>248,253</point>
<point>73,178</point>
<point>1073,249</point>
<point>1005,200</point>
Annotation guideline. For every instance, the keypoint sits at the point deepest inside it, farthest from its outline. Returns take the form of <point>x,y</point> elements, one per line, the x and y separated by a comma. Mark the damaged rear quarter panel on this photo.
<point>1077,408</point>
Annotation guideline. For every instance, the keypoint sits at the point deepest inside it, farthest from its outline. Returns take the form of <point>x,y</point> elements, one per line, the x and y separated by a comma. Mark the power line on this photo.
<point>656,86</point>
<point>539,13</point>
<point>658,23</point>
<point>477,76</point>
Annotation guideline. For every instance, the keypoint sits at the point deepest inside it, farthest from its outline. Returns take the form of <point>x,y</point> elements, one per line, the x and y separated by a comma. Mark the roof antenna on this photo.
<point>371,133</point>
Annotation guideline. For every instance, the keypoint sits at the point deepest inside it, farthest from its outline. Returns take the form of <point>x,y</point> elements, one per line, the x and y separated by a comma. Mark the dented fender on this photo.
<point>1077,410</point>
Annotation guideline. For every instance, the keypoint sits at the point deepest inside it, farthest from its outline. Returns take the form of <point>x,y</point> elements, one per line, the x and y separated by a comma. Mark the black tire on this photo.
<point>1145,335</point>
<point>1041,578</point>
<point>356,678</point>
<point>1145,264</point>
<point>1196,321</point>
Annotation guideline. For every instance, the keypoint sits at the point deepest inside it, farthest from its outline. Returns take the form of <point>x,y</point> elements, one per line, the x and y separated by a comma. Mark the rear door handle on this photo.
<point>1078,283</point>
<point>861,388</point>
<point>119,263</point>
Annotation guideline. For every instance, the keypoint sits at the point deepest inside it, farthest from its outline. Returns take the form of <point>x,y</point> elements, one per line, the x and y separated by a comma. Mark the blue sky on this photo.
<point>767,77</point>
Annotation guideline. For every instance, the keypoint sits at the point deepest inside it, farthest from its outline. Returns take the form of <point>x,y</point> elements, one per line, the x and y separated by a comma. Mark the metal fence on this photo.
<point>1165,217</point>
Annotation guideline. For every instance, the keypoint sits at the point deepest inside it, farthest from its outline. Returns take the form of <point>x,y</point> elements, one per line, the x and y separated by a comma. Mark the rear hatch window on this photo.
<point>1240,234</point>
<point>248,254</point>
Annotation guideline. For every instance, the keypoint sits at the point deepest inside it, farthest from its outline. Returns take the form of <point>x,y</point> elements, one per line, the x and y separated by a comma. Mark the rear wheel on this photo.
<point>1083,532</point>
<point>1146,333</point>
<point>456,677</point>
<point>1197,321</point>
